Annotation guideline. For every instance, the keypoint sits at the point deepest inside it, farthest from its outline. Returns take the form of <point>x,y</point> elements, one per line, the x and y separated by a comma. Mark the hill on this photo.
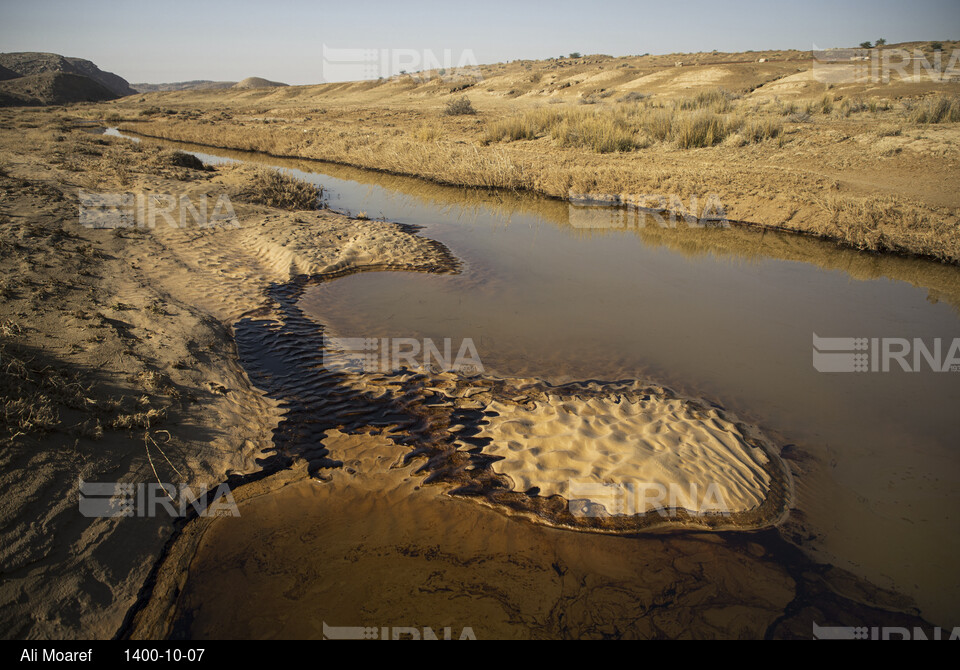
<point>29,63</point>
<point>257,82</point>
<point>52,88</point>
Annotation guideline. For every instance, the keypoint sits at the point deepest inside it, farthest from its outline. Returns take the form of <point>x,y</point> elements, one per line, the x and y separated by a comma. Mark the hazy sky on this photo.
<point>175,40</point>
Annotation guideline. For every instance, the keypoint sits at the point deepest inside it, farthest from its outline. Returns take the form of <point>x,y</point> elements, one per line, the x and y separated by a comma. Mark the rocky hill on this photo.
<point>29,63</point>
<point>52,88</point>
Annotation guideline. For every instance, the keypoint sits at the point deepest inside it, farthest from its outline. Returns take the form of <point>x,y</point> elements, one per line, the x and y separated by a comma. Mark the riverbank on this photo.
<point>118,356</point>
<point>851,162</point>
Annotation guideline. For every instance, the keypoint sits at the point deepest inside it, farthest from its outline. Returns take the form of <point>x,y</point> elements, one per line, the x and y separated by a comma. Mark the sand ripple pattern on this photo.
<point>642,446</point>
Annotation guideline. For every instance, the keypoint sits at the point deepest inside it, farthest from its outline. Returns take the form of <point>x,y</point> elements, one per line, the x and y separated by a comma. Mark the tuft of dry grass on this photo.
<point>822,106</point>
<point>941,109</point>
<point>32,395</point>
<point>758,130</point>
<point>716,100</point>
<point>527,126</point>
<point>602,132</point>
<point>427,133</point>
<point>275,189</point>
<point>702,128</point>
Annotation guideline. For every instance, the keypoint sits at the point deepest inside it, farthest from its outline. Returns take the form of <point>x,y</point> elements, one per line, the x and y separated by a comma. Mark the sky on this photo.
<point>311,42</point>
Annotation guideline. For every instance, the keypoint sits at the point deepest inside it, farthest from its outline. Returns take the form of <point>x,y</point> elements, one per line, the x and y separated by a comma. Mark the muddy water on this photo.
<point>565,293</point>
<point>544,298</point>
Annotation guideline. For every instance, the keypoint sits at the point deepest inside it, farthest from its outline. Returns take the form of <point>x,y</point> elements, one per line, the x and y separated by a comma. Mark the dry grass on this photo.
<point>459,107</point>
<point>716,100</point>
<point>887,223</point>
<point>626,127</point>
<point>702,128</point>
<point>602,132</point>
<point>528,126</point>
<point>940,109</point>
<point>650,144</point>
<point>758,130</point>
<point>275,189</point>
<point>822,106</point>
<point>33,396</point>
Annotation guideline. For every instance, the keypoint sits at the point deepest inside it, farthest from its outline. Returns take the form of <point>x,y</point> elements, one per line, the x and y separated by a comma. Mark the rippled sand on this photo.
<point>659,452</point>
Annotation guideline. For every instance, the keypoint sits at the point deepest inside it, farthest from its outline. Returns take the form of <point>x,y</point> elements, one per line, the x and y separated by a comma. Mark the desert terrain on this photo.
<point>192,354</point>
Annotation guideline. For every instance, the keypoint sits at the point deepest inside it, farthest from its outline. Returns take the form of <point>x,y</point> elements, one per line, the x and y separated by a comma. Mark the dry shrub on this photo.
<point>459,107</point>
<point>184,160</point>
<point>275,189</point>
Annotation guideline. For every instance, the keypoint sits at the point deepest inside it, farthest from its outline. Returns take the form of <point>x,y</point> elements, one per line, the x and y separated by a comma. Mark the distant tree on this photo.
<point>881,42</point>
<point>866,45</point>
<point>575,54</point>
<point>936,46</point>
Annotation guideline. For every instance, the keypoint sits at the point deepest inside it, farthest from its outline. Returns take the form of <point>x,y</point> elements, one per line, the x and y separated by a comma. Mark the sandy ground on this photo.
<point>370,547</point>
<point>124,338</point>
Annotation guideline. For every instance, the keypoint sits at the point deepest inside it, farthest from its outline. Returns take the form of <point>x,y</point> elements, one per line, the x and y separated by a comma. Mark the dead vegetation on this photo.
<point>459,107</point>
<point>39,395</point>
<point>938,109</point>
<point>703,120</point>
<point>276,189</point>
<point>767,146</point>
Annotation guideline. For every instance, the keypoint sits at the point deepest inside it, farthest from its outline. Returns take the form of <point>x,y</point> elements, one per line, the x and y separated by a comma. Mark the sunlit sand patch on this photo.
<point>616,457</point>
<point>630,456</point>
